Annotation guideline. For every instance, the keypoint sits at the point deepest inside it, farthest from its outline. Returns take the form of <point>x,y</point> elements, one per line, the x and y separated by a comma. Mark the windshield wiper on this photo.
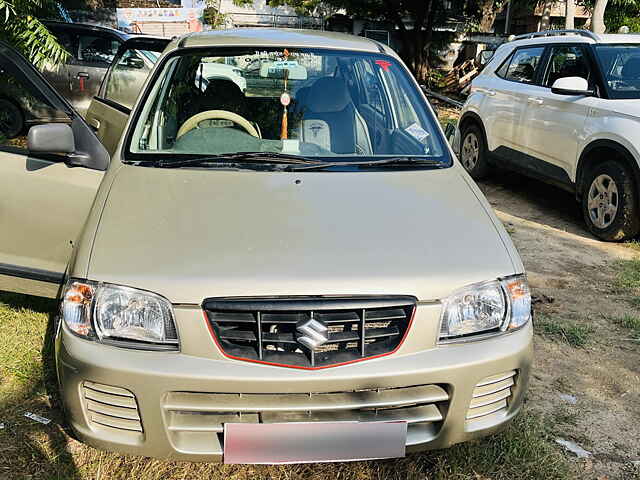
<point>241,157</point>
<point>395,161</point>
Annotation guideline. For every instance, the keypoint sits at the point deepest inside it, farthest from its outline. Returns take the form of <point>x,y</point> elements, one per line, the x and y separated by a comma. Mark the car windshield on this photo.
<point>621,67</point>
<point>329,105</point>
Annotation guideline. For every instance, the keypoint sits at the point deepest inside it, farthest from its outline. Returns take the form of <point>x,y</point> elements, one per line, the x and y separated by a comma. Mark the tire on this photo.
<point>11,119</point>
<point>473,152</point>
<point>610,202</point>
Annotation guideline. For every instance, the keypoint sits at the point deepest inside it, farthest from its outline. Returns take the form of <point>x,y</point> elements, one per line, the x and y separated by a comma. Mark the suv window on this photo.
<point>621,68</point>
<point>22,105</point>
<point>523,65</point>
<point>97,50</point>
<point>567,62</point>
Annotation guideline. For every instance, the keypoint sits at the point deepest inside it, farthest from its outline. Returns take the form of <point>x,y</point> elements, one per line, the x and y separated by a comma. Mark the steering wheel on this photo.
<point>194,121</point>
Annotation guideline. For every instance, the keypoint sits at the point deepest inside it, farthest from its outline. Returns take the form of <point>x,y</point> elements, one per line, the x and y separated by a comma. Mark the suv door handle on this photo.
<point>491,93</point>
<point>83,75</point>
<point>535,100</point>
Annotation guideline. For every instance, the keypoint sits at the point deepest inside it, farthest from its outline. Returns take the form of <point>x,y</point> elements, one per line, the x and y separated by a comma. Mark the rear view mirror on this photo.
<point>51,138</point>
<point>571,86</point>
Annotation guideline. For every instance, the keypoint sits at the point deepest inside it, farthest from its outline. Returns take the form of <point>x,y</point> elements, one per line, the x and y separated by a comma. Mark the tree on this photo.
<point>24,31</point>
<point>597,18</point>
<point>570,15</point>
<point>487,12</point>
<point>414,19</point>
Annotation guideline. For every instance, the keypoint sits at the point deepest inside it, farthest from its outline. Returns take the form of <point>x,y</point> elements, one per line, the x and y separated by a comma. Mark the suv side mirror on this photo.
<point>571,86</point>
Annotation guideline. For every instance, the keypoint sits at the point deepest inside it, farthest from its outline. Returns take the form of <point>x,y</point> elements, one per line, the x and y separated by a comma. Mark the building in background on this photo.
<point>526,18</point>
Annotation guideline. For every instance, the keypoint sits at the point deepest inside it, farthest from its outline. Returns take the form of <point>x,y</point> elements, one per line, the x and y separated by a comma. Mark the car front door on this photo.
<point>44,197</point>
<point>95,52</point>
<point>509,99</point>
<point>109,110</point>
<point>554,121</point>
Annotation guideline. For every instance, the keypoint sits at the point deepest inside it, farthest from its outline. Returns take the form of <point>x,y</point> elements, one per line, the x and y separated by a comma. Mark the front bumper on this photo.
<point>178,401</point>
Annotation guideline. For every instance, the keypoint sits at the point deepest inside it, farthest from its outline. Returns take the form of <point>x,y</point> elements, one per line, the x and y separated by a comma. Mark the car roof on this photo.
<point>88,28</point>
<point>539,38</point>
<point>275,37</point>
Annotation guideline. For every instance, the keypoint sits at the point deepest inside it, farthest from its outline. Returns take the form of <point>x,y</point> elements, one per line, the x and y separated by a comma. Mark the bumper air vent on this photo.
<point>111,407</point>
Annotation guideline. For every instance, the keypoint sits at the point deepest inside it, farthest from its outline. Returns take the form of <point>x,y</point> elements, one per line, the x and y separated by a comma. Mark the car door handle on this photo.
<point>94,124</point>
<point>491,93</point>
<point>83,75</point>
<point>535,100</point>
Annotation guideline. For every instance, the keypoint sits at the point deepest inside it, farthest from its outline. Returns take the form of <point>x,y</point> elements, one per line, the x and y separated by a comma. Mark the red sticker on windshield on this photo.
<point>384,64</point>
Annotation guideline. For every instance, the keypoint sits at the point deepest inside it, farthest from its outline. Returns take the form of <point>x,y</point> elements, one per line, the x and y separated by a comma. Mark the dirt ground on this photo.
<point>574,276</point>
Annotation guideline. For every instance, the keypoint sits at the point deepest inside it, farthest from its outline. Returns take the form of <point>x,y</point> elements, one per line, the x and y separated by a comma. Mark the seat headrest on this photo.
<point>631,68</point>
<point>328,95</point>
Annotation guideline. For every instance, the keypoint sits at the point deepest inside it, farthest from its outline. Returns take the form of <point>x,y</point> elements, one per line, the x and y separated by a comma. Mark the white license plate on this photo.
<point>271,443</point>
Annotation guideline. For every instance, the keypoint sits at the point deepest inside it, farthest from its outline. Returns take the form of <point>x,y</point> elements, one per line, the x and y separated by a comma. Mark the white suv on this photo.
<point>564,107</point>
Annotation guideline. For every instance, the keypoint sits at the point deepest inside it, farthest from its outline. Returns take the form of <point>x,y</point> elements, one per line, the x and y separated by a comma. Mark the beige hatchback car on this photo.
<point>299,271</point>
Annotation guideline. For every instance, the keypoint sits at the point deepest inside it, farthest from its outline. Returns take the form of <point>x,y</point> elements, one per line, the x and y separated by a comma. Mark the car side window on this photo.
<point>97,50</point>
<point>567,61</point>
<point>22,106</point>
<point>128,75</point>
<point>524,64</point>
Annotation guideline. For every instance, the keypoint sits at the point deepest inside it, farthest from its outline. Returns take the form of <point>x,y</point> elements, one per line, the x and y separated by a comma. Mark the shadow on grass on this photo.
<point>31,449</point>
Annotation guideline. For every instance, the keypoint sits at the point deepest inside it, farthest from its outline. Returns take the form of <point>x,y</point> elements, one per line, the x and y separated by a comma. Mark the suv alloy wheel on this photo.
<point>473,152</point>
<point>609,203</point>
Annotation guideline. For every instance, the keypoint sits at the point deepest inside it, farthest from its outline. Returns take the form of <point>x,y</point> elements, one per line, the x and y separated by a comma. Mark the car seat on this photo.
<point>331,121</point>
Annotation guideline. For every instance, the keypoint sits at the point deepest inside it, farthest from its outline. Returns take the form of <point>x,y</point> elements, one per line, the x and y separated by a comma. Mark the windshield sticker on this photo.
<point>384,64</point>
<point>417,132</point>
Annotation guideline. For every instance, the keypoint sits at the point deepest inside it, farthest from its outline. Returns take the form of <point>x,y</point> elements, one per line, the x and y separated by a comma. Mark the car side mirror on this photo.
<point>56,138</point>
<point>134,62</point>
<point>51,138</point>
<point>571,86</point>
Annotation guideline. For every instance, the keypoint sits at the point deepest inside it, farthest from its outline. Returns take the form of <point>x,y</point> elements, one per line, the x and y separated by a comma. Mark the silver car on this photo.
<point>297,272</point>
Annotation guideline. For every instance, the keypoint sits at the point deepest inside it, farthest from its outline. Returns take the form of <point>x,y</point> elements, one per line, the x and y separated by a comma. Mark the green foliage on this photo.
<point>575,334</point>
<point>20,27</point>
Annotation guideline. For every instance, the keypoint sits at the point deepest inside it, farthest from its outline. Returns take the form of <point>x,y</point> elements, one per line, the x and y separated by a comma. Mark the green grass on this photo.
<point>523,451</point>
<point>631,322</point>
<point>628,277</point>
<point>575,334</point>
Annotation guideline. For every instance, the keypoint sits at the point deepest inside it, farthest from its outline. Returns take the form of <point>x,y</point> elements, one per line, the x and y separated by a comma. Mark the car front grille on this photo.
<point>309,332</point>
<point>111,407</point>
<point>192,416</point>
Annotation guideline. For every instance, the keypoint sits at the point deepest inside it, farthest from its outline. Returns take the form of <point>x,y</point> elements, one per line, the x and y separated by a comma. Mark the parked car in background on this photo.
<point>564,107</point>
<point>277,275</point>
<point>92,50</point>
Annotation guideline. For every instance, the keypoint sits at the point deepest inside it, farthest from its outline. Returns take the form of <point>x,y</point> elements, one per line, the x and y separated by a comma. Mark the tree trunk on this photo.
<point>597,18</point>
<point>570,14</point>
<point>545,22</point>
<point>488,12</point>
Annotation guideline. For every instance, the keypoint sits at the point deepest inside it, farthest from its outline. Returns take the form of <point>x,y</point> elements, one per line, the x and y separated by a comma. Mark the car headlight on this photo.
<point>483,308</point>
<point>119,315</point>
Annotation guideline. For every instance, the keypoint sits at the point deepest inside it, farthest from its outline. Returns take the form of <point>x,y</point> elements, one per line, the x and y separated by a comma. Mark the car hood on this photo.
<point>628,108</point>
<point>189,234</point>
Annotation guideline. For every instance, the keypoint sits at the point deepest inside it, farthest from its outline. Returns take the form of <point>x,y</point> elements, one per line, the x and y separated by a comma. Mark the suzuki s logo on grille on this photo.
<point>312,333</point>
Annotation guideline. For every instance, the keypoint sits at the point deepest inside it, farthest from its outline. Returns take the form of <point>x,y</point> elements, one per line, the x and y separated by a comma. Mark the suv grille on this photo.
<point>309,332</point>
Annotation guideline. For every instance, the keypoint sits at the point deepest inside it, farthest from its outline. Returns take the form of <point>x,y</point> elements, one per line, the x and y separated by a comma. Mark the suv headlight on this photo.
<point>118,315</point>
<point>483,308</point>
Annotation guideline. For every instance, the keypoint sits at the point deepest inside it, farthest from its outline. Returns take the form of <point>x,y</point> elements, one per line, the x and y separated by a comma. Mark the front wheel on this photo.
<point>473,152</point>
<point>11,119</point>
<point>609,203</point>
